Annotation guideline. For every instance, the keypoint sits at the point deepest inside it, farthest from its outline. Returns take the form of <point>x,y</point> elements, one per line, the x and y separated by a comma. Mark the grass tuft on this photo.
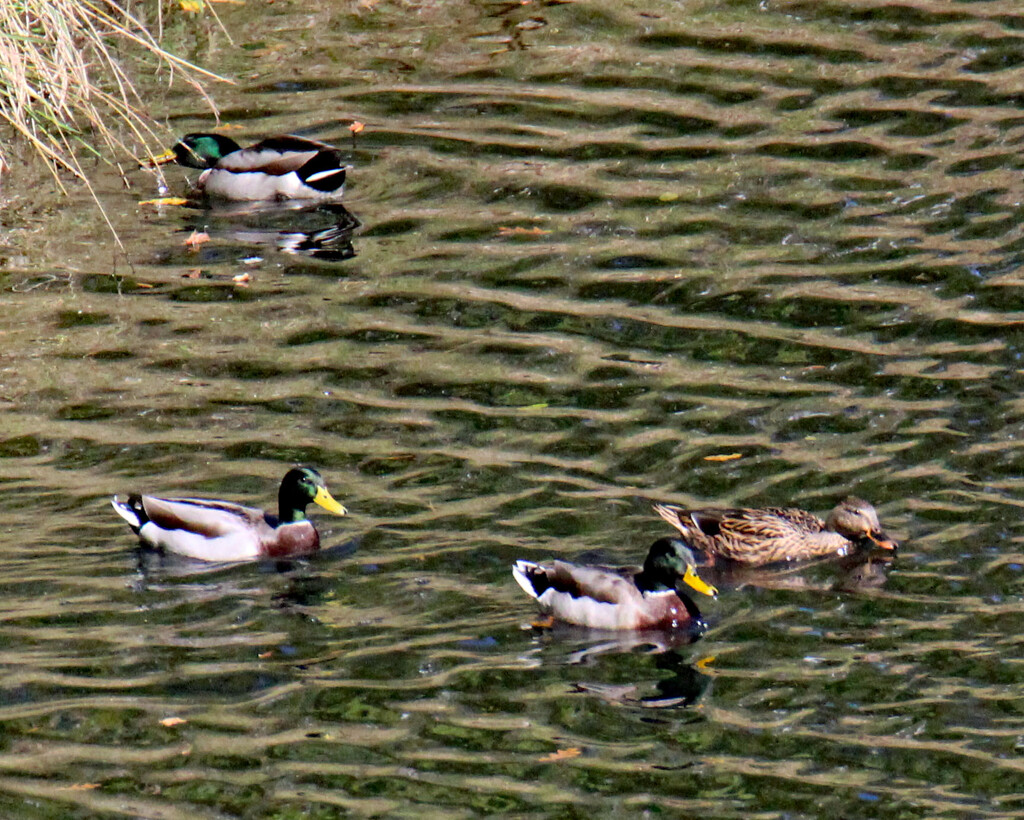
<point>63,83</point>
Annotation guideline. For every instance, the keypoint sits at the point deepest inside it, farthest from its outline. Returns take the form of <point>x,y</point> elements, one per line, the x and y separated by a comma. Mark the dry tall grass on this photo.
<point>63,81</point>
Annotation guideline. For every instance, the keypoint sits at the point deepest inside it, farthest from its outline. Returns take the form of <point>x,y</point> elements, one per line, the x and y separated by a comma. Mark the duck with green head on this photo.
<point>634,598</point>
<point>211,530</point>
<point>277,168</point>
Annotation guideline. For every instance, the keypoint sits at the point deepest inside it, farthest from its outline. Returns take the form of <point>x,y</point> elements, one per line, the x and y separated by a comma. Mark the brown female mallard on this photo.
<point>211,530</point>
<point>619,597</point>
<point>777,533</point>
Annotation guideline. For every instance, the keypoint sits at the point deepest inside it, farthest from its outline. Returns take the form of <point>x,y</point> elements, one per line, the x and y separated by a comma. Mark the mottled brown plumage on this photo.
<point>765,536</point>
<point>618,597</point>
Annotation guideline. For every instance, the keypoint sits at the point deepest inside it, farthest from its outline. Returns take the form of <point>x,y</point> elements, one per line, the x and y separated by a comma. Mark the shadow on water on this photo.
<point>323,232</point>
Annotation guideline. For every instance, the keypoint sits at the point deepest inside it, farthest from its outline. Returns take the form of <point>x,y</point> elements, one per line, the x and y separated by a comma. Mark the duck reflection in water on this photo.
<point>863,570</point>
<point>623,610</point>
<point>321,232</point>
<point>686,684</point>
<point>660,649</point>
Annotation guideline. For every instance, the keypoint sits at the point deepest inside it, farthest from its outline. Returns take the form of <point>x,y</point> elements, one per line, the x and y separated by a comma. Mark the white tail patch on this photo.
<point>319,175</point>
<point>126,512</point>
<point>519,573</point>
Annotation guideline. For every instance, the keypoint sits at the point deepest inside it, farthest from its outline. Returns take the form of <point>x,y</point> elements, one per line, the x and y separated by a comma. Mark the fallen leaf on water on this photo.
<point>668,197</point>
<point>165,200</point>
<point>81,787</point>
<point>197,238</point>
<point>264,655</point>
<point>517,231</point>
<point>356,127</point>
<point>172,721</point>
<point>194,273</point>
<point>191,6</point>
<point>561,754</point>
<point>704,663</point>
<point>724,457</point>
<point>241,278</point>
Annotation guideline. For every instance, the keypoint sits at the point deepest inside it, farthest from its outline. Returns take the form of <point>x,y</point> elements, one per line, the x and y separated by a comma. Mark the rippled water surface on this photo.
<point>609,253</point>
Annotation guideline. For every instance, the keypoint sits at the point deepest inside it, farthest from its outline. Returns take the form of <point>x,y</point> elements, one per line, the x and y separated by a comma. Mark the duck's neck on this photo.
<point>651,580</point>
<point>289,511</point>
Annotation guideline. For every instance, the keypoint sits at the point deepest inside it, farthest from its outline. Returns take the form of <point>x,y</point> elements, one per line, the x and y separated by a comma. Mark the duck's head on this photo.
<point>857,520</point>
<point>299,487</point>
<point>669,562</point>
<point>199,150</point>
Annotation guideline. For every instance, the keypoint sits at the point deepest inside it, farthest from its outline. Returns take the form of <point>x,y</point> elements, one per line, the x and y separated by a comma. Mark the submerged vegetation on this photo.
<point>66,83</point>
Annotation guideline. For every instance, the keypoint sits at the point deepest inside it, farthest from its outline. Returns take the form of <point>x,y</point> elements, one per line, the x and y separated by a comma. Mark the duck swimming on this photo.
<point>635,598</point>
<point>283,167</point>
<point>211,530</point>
<point>765,536</point>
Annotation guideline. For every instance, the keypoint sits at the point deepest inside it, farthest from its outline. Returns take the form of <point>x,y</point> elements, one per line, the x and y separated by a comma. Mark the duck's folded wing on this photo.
<point>201,516</point>
<point>599,583</point>
<point>275,156</point>
<point>770,523</point>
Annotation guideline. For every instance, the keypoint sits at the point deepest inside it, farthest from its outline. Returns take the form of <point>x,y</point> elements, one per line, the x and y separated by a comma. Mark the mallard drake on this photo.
<point>211,530</point>
<point>284,167</point>
<point>621,597</point>
<point>776,533</point>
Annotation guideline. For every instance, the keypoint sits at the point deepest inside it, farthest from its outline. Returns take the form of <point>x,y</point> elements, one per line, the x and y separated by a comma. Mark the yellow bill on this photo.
<point>694,580</point>
<point>326,500</point>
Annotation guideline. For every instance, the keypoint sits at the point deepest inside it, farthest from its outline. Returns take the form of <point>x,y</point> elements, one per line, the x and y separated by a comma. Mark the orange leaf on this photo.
<point>356,127</point>
<point>724,457</point>
<point>172,721</point>
<point>197,238</point>
<point>81,787</point>
<point>561,754</point>
<point>241,278</point>
<point>194,273</point>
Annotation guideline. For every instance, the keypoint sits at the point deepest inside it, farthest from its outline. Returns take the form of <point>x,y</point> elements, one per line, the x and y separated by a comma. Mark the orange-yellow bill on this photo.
<point>692,579</point>
<point>325,500</point>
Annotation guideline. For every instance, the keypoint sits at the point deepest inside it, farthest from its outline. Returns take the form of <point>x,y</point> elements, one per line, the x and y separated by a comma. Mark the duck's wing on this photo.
<point>276,156</point>
<point>204,517</point>
<point>762,524</point>
<point>611,585</point>
<point>602,584</point>
<point>766,523</point>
